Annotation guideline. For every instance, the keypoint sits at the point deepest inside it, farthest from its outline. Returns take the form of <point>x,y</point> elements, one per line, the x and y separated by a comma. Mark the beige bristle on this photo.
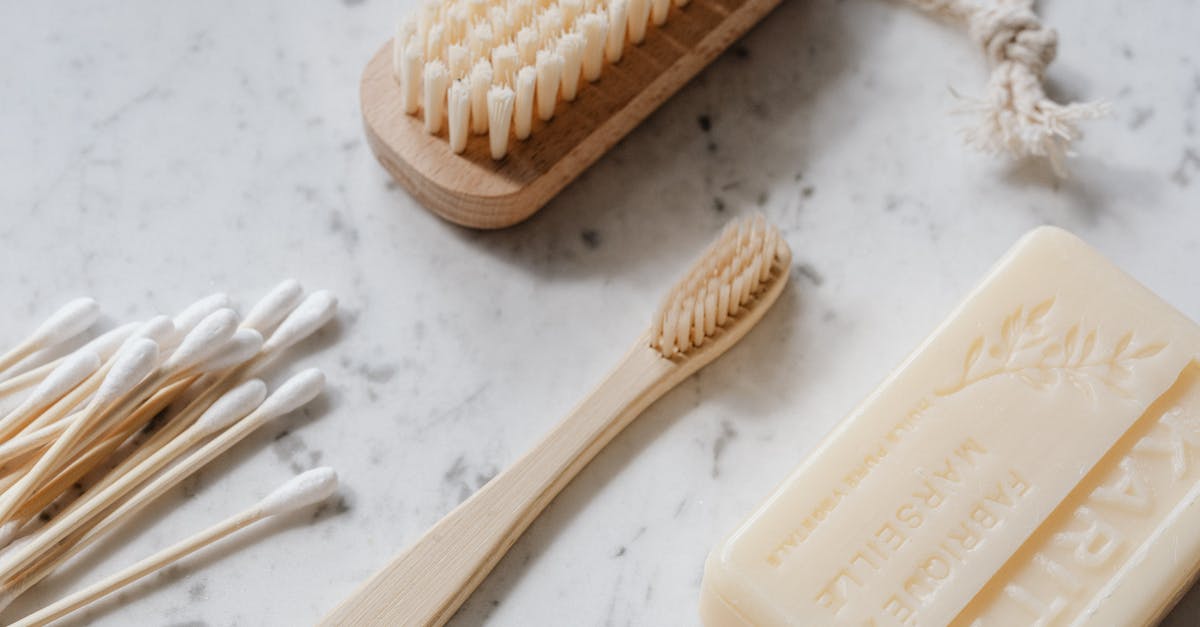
<point>458,60</point>
<point>458,115</point>
<point>549,71</point>
<point>481,80</point>
<point>639,14</point>
<point>571,9</point>
<point>505,64</point>
<point>500,115</point>
<point>570,50</point>
<point>491,43</point>
<point>595,30</point>
<point>732,272</point>
<point>659,10</point>
<point>411,77</point>
<point>437,80</point>
<point>523,111</point>
<point>618,20</point>
<point>527,45</point>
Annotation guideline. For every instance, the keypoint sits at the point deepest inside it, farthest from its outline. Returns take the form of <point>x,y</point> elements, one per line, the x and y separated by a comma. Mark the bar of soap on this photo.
<point>1035,462</point>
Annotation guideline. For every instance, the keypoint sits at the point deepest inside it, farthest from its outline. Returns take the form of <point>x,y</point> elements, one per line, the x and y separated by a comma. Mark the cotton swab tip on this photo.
<point>204,340</point>
<point>106,344</point>
<point>244,344</point>
<point>311,315</point>
<point>158,329</point>
<point>232,406</point>
<point>70,320</point>
<point>274,307</point>
<point>69,373</point>
<point>137,360</point>
<point>308,488</point>
<point>191,315</point>
<point>294,392</point>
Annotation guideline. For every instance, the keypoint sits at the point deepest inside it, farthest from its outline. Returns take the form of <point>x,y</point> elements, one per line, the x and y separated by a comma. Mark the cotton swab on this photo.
<point>190,316</point>
<point>274,307</point>
<point>104,346</point>
<point>70,320</point>
<point>94,455</point>
<point>76,368</point>
<point>230,408</point>
<point>292,394</point>
<point>304,490</point>
<point>132,365</point>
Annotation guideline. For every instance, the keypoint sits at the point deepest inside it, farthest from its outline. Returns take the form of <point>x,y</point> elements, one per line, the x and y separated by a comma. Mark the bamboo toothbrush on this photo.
<point>306,489</point>
<point>723,296</point>
<point>484,109</point>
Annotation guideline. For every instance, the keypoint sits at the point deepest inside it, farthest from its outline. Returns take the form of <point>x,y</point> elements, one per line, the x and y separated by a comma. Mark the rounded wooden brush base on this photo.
<point>474,190</point>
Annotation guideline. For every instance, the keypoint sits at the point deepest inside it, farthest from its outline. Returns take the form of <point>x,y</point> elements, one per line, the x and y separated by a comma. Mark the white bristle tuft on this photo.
<point>70,320</point>
<point>505,63</point>
<point>458,114</point>
<point>481,80</point>
<point>538,49</point>
<point>594,28</point>
<point>549,71</point>
<point>312,314</point>
<point>458,60</point>
<point>404,32</point>
<point>521,13</point>
<point>70,372</point>
<point>527,46</point>
<point>203,341</point>
<point>134,363</point>
<point>571,9</point>
<point>274,307</point>
<point>500,114</point>
<point>308,488</point>
<point>523,107</point>
<point>244,344</point>
<point>726,278</point>
<point>659,10</point>
<point>106,345</point>
<point>435,42</point>
<point>437,80</point>
<point>639,15</point>
<point>410,78</point>
<point>570,50</point>
<point>618,20</point>
<point>191,315</point>
<point>231,407</point>
<point>294,392</point>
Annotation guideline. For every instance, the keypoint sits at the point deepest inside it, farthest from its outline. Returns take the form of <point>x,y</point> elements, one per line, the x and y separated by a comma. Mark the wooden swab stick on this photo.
<point>93,456</point>
<point>305,489</point>
<point>104,346</point>
<point>135,363</point>
<point>231,407</point>
<point>74,370</point>
<point>70,320</point>
<point>15,565</point>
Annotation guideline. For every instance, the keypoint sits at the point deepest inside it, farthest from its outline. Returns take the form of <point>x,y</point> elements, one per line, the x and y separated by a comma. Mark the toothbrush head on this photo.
<point>733,276</point>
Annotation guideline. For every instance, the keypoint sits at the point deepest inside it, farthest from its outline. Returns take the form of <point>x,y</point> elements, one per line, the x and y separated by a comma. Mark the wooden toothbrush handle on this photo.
<point>427,583</point>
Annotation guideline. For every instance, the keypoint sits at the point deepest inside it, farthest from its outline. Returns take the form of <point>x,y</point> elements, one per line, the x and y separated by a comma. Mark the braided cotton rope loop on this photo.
<point>1016,115</point>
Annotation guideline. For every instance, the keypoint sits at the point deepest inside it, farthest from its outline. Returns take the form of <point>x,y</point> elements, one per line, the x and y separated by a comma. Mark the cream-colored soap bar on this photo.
<point>1035,462</point>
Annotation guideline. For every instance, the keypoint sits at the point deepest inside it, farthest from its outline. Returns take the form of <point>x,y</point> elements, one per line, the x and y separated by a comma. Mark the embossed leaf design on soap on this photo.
<point>1024,348</point>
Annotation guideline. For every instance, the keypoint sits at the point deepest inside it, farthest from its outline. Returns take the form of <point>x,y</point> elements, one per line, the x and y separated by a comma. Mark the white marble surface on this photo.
<point>157,151</point>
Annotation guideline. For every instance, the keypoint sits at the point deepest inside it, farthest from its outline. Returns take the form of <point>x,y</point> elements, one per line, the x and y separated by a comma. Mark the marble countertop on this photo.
<point>154,152</point>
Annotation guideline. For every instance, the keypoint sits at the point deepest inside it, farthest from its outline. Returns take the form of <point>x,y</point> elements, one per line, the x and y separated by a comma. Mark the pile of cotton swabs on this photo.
<point>130,415</point>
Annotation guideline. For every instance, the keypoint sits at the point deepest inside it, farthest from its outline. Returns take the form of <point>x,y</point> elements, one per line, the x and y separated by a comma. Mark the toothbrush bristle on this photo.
<point>730,274</point>
<point>450,55</point>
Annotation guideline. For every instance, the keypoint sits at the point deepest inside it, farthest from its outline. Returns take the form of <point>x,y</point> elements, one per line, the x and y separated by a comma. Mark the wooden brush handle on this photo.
<point>427,583</point>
